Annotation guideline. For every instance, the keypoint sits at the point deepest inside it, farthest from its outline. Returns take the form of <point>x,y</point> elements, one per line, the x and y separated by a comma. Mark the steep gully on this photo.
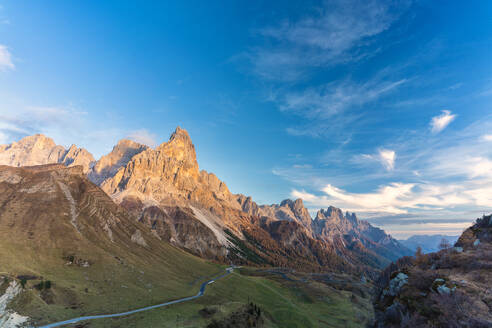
<point>229,270</point>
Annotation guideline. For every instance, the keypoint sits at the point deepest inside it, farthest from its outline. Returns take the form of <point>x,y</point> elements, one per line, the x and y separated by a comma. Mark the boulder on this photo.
<point>396,284</point>
<point>444,290</point>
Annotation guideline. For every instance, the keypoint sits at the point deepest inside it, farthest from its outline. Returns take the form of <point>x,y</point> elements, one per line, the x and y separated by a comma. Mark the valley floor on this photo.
<point>286,300</point>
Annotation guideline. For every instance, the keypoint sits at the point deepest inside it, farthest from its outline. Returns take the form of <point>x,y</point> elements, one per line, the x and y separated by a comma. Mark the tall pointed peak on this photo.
<point>180,133</point>
<point>180,147</point>
<point>179,136</point>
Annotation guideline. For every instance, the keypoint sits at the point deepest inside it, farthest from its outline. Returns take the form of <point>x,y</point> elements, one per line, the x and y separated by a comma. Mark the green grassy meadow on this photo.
<point>284,304</point>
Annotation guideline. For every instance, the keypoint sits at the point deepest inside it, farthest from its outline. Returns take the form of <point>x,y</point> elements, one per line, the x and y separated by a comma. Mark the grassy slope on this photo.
<point>284,303</point>
<point>106,286</point>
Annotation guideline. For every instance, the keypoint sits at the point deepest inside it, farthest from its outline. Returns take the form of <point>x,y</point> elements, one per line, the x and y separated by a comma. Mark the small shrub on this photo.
<point>40,286</point>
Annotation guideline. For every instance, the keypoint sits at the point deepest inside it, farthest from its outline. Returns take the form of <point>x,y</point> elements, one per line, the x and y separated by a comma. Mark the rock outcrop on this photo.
<point>9,318</point>
<point>449,288</point>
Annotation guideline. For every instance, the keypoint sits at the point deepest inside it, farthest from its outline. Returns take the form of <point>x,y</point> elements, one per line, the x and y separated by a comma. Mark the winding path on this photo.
<point>101,316</point>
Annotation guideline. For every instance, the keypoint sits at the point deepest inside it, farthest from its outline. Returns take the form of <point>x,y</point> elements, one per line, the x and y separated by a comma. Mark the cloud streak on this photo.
<point>336,97</point>
<point>385,157</point>
<point>338,31</point>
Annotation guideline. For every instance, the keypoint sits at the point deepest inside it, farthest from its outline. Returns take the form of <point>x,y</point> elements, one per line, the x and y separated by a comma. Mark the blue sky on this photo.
<point>377,107</point>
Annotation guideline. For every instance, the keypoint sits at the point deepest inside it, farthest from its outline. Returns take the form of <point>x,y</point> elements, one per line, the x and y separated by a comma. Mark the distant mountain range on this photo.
<point>428,243</point>
<point>163,190</point>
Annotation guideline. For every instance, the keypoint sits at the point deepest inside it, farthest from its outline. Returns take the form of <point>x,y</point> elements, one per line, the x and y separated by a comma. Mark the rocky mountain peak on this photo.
<point>39,141</point>
<point>109,164</point>
<point>287,210</point>
<point>168,173</point>
<point>331,213</point>
<point>248,205</point>
<point>180,147</point>
<point>78,156</point>
<point>298,205</point>
<point>38,149</point>
<point>180,133</point>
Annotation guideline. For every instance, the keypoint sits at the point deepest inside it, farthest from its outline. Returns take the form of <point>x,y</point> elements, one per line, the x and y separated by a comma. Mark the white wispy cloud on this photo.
<point>439,123</point>
<point>336,97</point>
<point>393,198</point>
<point>385,157</point>
<point>143,136</point>
<point>337,31</point>
<point>5,59</point>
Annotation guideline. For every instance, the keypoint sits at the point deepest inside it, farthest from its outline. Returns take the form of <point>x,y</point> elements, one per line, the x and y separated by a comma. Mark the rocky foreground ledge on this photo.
<point>451,288</point>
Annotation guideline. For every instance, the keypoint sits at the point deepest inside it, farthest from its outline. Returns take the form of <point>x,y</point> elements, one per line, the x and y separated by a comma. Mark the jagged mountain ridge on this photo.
<point>368,243</point>
<point>39,149</point>
<point>164,189</point>
<point>287,210</point>
<point>331,222</point>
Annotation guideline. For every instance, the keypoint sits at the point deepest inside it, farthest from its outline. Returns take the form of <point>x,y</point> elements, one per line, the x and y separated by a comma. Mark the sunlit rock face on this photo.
<point>168,173</point>
<point>39,149</point>
<point>109,164</point>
